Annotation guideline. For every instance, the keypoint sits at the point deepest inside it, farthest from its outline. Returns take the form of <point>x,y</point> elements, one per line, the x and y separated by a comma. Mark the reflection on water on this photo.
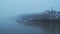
<point>49,27</point>
<point>10,26</point>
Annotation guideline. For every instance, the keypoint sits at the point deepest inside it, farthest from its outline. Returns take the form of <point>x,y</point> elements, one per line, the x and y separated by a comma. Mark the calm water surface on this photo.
<point>10,26</point>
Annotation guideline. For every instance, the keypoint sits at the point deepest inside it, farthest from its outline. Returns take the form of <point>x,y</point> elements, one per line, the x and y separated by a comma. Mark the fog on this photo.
<point>9,9</point>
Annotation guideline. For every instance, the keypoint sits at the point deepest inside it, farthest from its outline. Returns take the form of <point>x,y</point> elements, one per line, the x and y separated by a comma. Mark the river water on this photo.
<point>9,9</point>
<point>9,25</point>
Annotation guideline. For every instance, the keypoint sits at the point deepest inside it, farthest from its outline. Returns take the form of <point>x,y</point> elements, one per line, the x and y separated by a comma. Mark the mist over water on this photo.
<point>9,9</point>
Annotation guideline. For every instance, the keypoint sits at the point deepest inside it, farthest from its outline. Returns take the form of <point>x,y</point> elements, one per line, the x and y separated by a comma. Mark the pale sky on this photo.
<point>14,7</point>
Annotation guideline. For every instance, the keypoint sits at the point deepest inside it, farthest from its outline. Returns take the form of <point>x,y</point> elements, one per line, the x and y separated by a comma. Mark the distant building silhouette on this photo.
<point>51,15</point>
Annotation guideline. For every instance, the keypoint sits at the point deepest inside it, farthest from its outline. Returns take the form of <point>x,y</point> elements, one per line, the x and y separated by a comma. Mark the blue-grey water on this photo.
<point>8,25</point>
<point>9,9</point>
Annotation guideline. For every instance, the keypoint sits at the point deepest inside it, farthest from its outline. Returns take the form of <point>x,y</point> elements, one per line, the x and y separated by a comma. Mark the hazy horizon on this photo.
<point>12,8</point>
